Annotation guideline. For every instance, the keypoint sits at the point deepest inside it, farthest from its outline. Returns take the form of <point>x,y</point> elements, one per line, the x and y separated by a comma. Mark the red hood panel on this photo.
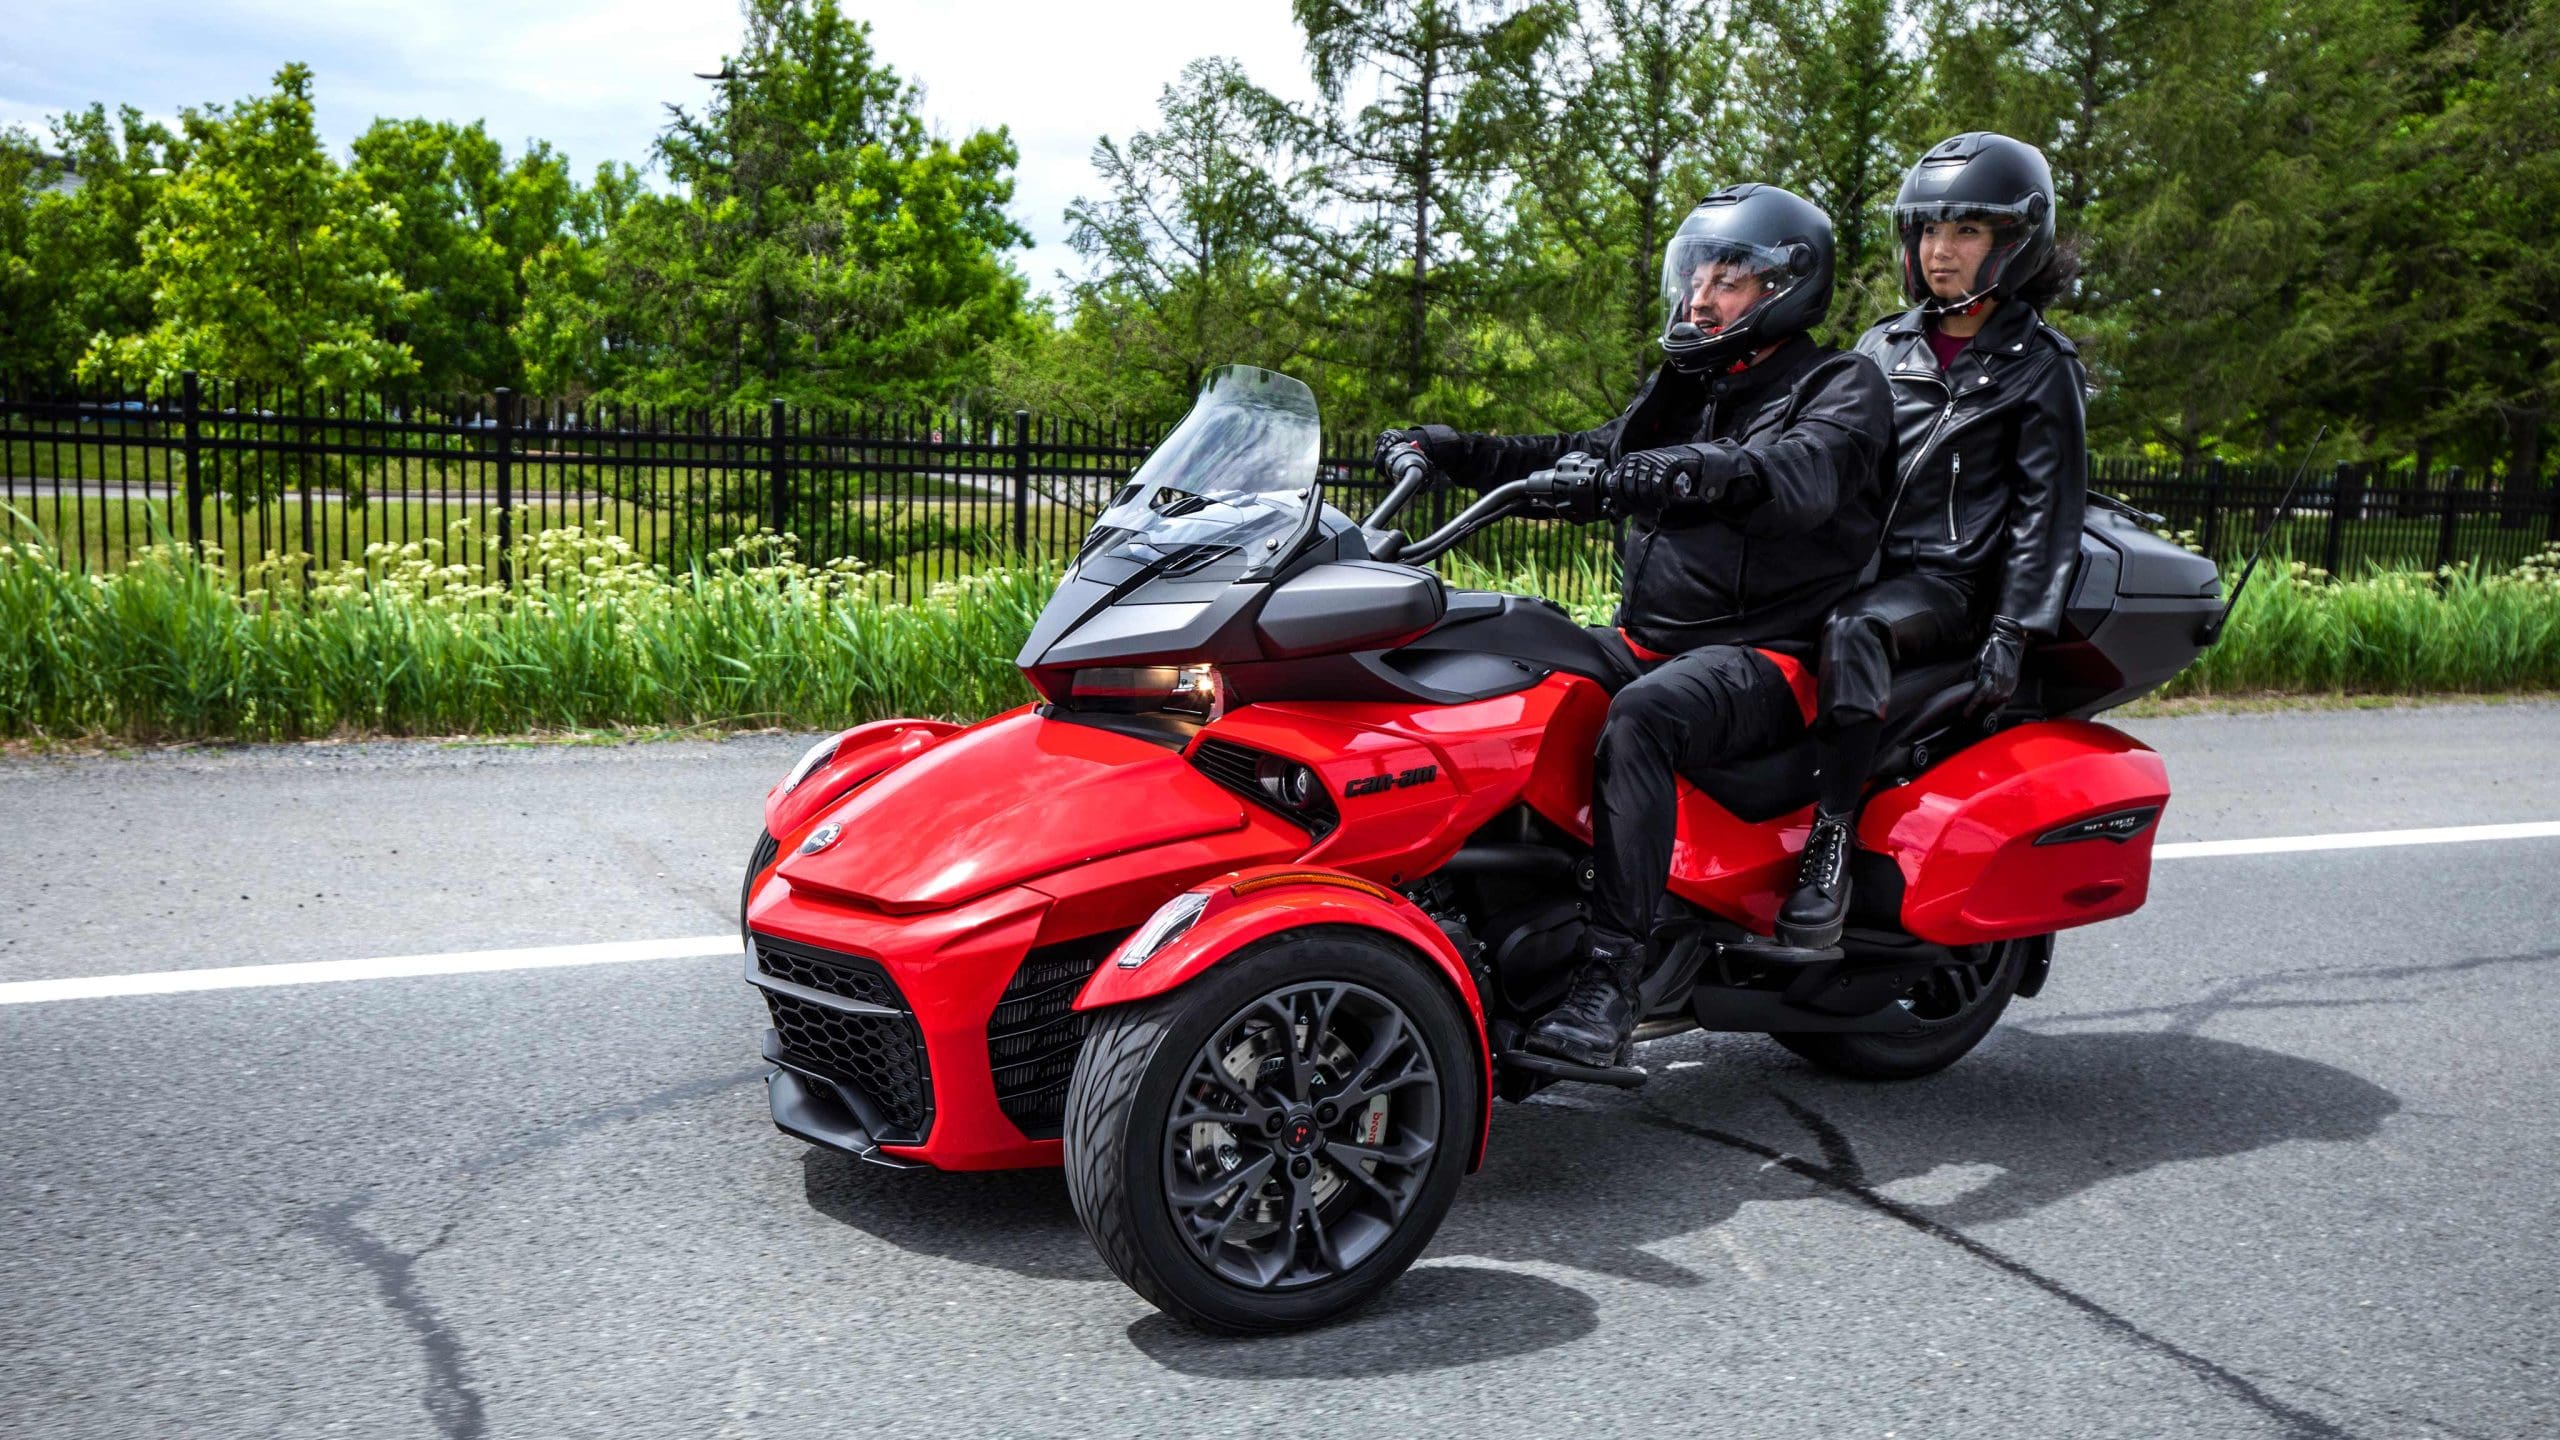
<point>1006,801</point>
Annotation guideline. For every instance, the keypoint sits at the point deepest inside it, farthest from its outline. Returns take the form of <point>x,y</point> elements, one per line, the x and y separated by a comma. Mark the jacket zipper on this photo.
<point>1955,478</point>
<point>1913,468</point>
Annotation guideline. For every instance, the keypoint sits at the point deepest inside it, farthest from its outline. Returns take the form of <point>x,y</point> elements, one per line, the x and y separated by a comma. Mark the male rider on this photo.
<point>1749,472</point>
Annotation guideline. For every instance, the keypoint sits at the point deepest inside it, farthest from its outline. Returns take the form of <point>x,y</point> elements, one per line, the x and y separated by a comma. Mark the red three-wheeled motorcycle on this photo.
<point>1242,920</point>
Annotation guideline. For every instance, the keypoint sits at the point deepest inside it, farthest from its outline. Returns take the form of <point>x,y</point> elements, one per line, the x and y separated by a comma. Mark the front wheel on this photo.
<point>1943,1017</point>
<point>1273,1143</point>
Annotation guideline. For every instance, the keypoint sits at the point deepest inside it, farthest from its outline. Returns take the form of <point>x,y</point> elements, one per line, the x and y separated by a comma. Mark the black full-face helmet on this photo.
<point>1763,244</point>
<point>1978,176</point>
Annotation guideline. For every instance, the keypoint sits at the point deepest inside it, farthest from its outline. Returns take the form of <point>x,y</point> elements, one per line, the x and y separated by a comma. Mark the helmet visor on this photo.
<point>1922,212</point>
<point>1716,284</point>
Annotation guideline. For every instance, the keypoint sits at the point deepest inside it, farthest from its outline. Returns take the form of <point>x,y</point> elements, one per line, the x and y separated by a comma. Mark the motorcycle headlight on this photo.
<point>1170,922</point>
<point>819,754</point>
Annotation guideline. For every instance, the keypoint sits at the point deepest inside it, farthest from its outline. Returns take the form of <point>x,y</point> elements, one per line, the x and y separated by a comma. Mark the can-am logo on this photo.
<point>820,838</point>
<point>1377,784</point>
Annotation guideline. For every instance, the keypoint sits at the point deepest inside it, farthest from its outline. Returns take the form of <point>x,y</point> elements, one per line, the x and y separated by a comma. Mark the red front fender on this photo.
<point>861,752</point>
<point>1248,905</point>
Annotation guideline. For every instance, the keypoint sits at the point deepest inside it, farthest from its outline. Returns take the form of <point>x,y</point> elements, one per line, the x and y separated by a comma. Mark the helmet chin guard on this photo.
<point>1751,266</point>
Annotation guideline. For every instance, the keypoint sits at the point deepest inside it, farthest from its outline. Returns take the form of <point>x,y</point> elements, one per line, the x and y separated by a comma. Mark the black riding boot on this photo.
<point>1592,1024</point>
<point>1814,916</point>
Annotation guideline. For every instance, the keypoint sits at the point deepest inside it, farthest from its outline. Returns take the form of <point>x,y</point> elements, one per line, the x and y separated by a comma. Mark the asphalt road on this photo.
<point>2273,1157</point>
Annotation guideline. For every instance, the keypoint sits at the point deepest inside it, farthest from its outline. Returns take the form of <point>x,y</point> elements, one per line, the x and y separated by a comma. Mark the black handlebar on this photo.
<point>1562,490</point>
<point>1489,507</point>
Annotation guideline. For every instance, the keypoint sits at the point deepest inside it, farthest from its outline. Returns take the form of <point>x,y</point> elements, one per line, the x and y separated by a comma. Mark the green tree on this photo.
<point>575,335</point>
<point>70,245</point>
<point>1836,95</point>
<point>1400,194</point>
<point>269,263</point>
<point>1179,247</point>
<point>1631,125</point>
<point>2219,253</point>
<point>470,224</point>
<point>822,245</point>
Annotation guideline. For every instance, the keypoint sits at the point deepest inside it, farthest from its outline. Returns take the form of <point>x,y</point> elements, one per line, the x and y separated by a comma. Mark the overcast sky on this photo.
<point>591,77</point>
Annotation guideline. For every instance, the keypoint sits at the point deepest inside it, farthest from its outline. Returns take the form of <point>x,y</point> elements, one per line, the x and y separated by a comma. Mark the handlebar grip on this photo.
<point>1408,465</point>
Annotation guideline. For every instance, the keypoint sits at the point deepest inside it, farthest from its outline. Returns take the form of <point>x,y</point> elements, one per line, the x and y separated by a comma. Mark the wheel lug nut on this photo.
<point>1326,1112</point>
<point>1302,1167</point>
<point>1271,1123</point>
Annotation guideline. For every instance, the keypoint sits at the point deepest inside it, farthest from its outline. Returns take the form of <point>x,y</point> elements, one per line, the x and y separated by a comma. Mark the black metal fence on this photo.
<point>918,498</point>
<point>2346,518</point>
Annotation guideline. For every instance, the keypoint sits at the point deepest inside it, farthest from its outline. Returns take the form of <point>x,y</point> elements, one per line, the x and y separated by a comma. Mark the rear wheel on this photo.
<point>1949,1011</point>
<point>1273,1143</point>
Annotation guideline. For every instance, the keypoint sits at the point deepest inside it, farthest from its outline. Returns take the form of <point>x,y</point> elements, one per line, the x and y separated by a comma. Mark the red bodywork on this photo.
<point>962,850</point>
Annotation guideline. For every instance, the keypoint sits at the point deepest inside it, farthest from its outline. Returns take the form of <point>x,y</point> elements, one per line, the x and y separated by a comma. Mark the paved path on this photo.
<point>2273,1157</point>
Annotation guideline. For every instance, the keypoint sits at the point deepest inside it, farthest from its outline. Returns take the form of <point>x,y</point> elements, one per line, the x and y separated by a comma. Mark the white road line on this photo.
<point>2355,840</point>
<point>545,957</point>
<point>389,967</point>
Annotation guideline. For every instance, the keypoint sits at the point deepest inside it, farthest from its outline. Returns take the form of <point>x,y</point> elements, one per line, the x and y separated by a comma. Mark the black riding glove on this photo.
<point>1391,441</point>
<point>1649,482</point>
<point>1995,670</point>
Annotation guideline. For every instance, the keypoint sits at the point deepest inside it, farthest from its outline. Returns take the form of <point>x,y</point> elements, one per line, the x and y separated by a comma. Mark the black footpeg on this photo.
<point>1624,1077</point>
<point>1770,952</point>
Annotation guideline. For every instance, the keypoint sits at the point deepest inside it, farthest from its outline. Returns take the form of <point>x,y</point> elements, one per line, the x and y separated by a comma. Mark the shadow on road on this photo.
<point>1595,1181</point>
<point>1435,1317</point>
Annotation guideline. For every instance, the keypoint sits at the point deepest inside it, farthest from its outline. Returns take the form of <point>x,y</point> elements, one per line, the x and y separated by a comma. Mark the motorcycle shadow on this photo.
<point>1438,1315</point>
<point>1596,1181</point>
<point>2029,1120</point>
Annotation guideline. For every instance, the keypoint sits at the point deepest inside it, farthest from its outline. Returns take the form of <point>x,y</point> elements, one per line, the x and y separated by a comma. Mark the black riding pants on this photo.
<point>1892,625</point>
<point>1692,711</point>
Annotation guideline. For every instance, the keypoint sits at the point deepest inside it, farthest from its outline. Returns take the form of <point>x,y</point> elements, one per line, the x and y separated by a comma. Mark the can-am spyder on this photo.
<point>1243,919</point>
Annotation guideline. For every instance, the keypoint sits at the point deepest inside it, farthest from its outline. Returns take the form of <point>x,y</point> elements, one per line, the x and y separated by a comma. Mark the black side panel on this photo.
<point>1345,606</point>
<point>2153,566</point>
<point>1527,629</point>
<point>1467,673</point>
<point>2136,610</point>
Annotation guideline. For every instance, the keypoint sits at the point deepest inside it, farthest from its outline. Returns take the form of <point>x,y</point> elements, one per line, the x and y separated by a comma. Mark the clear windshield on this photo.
<point>1236,477</point>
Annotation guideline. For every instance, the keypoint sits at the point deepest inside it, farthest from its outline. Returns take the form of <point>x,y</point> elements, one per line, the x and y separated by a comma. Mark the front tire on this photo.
<point>1273,1143</point>
<point>1950,1012</point>
<point>766,849</point>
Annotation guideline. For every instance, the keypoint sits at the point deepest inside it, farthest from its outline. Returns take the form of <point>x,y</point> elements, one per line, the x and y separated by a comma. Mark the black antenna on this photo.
<point>2212,630</point>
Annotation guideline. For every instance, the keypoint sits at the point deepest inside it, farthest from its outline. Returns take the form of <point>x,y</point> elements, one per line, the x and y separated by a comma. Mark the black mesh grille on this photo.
<point>1034,1036</point>
<point>850,976</point>
<point>1233,766</point>
<point>881,1055</point>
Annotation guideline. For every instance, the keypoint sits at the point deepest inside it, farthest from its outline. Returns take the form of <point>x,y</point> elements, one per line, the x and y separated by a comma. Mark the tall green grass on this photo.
<point>411,642</point>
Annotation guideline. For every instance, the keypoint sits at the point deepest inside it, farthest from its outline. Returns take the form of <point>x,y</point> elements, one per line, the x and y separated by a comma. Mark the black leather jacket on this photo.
<point>1990,473</point>
<point>1801,441</point>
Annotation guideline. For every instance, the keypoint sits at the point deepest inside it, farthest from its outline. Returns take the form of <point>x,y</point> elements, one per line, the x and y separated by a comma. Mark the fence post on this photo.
<point>2452,514</point>
<point>2554,493</point>
<point>506,487</point>
<point>1021,481</point>
<point>2213,505</point>
<point>189,399</point>
<point>2341,479</point>
<point>777,512</point>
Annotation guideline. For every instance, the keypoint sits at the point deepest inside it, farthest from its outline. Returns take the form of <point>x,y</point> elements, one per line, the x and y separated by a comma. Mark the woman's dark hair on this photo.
<point>2053,281</point>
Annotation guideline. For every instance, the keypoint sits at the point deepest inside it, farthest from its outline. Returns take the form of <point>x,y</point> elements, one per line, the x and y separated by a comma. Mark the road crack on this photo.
<point>1841,1174</point>
<point>451,1402</point>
